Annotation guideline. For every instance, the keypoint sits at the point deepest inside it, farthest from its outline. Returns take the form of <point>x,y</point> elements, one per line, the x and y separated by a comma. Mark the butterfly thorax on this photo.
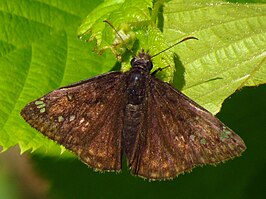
<point>137,77</point>
<point>136,86</point>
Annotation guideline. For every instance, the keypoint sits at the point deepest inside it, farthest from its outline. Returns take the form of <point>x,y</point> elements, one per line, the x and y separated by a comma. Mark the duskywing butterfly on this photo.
<point>159,130</point>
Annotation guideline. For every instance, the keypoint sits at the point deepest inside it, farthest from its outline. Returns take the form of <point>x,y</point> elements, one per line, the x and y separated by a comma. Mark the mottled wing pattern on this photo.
<point>85,117</point>
<point>179,135</point>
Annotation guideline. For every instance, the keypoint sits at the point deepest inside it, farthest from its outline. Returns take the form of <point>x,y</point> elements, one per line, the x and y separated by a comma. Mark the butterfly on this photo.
<point>160,131</point>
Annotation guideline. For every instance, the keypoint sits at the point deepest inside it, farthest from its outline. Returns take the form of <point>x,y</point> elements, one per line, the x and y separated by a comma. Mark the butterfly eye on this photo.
<point>149,65</point>
<point>132,61</point>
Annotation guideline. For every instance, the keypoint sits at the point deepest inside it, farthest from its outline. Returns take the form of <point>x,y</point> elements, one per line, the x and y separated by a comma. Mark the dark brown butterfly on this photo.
<point>161,132</point>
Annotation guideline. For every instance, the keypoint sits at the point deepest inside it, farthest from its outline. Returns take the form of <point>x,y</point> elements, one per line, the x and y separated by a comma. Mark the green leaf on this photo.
<point>230,52</point>
<point>40,50</point>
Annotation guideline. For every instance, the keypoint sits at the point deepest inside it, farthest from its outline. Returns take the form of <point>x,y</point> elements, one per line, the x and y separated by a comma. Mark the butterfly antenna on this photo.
<point>109,23</point>
<point>185,39</point>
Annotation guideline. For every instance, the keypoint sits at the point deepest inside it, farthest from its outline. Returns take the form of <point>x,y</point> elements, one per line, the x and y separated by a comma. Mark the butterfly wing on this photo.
<point>179,135</point>
<point>85,118</point>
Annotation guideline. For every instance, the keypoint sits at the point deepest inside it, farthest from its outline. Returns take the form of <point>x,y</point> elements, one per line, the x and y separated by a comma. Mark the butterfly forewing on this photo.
<point>84,117</point>
<point>180,135</point>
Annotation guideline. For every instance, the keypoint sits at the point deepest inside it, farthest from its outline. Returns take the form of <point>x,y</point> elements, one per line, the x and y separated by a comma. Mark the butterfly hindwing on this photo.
<point>179,135</point>
<point>85,118</point>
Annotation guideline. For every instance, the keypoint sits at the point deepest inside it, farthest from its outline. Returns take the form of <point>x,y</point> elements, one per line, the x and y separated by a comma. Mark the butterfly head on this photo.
<point>142,61</point>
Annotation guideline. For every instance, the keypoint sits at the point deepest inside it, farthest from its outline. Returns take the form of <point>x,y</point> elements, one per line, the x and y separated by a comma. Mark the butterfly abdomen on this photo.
<point>134,112</point>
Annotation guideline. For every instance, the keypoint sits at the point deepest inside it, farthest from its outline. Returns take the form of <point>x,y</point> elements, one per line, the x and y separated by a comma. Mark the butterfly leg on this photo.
<point>159,69</point>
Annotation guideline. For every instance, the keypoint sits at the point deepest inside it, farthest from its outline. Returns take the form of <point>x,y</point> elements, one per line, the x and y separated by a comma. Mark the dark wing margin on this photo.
<point>85,118</point>
<point>180,135</point>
